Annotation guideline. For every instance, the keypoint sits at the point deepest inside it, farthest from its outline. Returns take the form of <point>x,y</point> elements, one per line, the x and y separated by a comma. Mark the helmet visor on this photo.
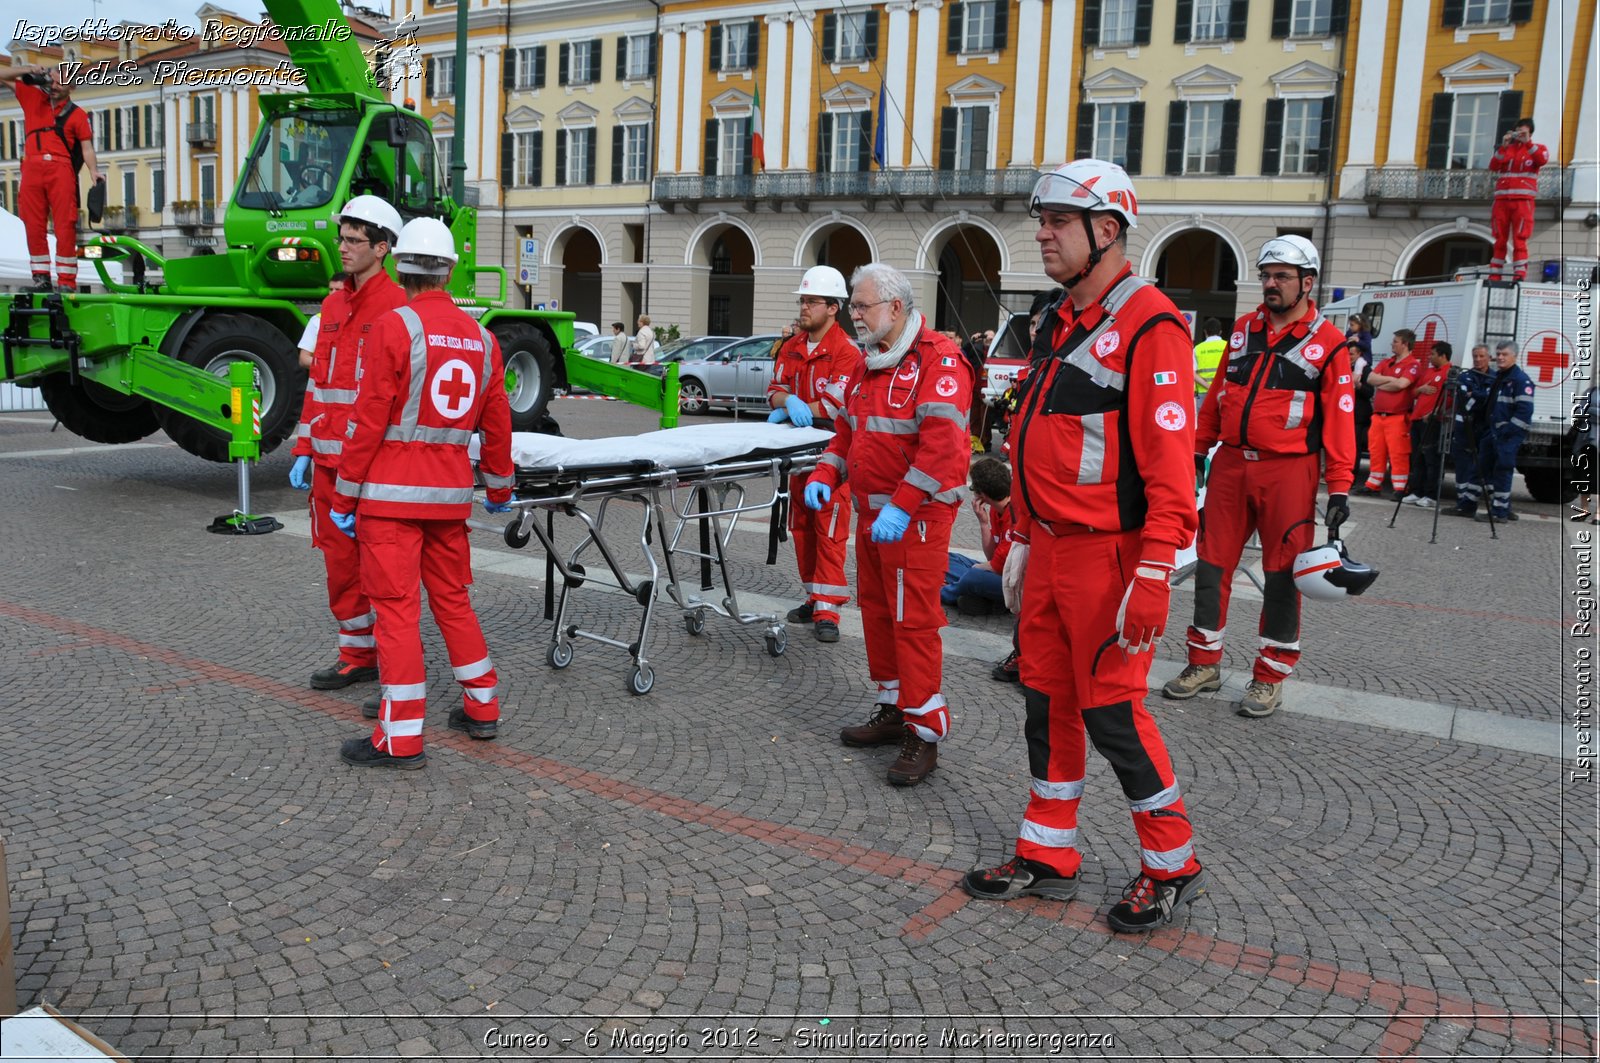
<point>1055,191</point>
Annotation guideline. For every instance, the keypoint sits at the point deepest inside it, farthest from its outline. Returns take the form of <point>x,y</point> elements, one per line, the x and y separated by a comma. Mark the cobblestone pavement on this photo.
<point>705,872</point>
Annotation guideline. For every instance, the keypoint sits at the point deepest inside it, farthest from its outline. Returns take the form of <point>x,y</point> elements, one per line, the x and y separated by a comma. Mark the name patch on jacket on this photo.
<point>455,343</point>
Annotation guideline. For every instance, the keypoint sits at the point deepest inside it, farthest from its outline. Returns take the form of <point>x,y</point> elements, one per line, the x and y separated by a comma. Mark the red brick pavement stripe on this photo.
<point>1409,1007</point>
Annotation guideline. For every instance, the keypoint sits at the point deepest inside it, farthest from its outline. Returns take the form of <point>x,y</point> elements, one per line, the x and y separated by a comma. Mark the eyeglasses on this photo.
<point>353,241</point>
<point>1276,278</point>
<point>862,308</point>
<point>812,300</point>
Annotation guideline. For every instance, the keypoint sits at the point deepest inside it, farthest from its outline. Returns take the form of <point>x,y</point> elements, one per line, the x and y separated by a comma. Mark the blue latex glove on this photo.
<point>799,412</point>
<point>891,524</point>
<point>299,471</point>
<point>499,507</point>
<point>778,416</point>
<point>817,494</point>
<point>345,522</point>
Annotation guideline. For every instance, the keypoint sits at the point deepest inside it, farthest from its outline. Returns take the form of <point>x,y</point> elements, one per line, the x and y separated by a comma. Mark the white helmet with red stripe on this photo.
<point>1087,184</point>
<point>1327,574</point>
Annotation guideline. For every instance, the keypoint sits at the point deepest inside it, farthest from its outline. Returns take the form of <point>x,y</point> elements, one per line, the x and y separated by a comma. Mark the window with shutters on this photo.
<point>1210,20</point>
<point>525,61</point>
<point>1202,138</point>
<point>978,28</point>
<point>1472,133</point>
<point>1117,21</point>
<point>845,148</point>
<point>732,135</point>
<point>129,195</point>
<point>736,45</point>
<point>442,147</point>
<point>1310,18</point>
<point>852,46</point>
<point>442,80</point>
<point>1486,13</point>
<point>158,189</point>
<point>580,156</point>
<point>1302,137</point>
<point>972,137</point>
<point>102,134</point>
<point>524,160</point>
<point>640,55</point>
<point>636,153</point>
<point>581,65</point>
<point>1111,132</point>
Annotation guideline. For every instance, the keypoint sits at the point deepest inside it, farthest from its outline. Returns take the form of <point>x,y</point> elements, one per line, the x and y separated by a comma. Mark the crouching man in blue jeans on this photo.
<point>973,587</point>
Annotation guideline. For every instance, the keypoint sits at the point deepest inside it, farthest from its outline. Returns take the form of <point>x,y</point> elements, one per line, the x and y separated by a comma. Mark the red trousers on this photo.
<point>49,193</point>
<point>398,559</point>
<point>820,538</point>
<point>898,585</point>
<point>342,559</point>
<point>1277,498</point>
<point>1388,443</point>
<point>1079,686</point>
<point>1511,221</point>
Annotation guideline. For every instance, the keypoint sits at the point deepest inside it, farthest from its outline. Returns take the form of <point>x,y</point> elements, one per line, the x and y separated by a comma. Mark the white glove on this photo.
<point>1011,578</point>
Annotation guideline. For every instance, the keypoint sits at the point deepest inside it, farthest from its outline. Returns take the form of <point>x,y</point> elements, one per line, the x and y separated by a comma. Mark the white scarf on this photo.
<point>897,350</point>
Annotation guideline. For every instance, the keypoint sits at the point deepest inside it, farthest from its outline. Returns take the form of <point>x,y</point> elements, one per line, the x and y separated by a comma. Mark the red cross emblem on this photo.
<point>1548,353</point>
<point>1433,328</point>
<point>1171,416</point>
<point>453,388</point>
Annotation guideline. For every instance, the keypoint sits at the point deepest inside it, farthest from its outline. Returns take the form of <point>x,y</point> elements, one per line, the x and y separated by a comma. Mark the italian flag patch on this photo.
<point>947,362</point>
<point>1166,378</point>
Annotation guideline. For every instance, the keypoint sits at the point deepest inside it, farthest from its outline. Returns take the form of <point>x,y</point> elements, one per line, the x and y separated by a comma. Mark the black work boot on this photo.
<point>801,614</point>
<point>340,674</point>
<point>884,727</point>
<point>1018,877</point>
<point>460,721</point>
<point>361,753</point>
<point>1149,903</point>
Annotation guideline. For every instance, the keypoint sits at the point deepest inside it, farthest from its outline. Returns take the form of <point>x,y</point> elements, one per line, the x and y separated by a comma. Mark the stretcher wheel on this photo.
<point>560,655</point>
<point>641,679</point>
<point>576,579</point>
<point>646,589</point>
<point>776,644</point>
<point>695,623</point>
<point>516,538</point>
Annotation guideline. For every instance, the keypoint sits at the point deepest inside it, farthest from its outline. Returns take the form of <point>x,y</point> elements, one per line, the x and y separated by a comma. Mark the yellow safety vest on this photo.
<point>1207,356</point>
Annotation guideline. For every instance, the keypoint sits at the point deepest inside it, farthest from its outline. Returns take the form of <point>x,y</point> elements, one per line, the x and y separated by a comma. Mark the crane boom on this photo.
<point>328,50</point>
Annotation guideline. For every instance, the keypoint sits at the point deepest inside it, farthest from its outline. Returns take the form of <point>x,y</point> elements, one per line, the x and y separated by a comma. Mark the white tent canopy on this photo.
<point>14,271</point>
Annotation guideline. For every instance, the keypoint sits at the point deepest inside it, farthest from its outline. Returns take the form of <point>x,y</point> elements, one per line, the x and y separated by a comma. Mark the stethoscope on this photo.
<point>911,391</point>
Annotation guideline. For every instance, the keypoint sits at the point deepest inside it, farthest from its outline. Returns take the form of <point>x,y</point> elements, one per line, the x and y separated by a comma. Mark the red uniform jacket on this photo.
<point>343,343</point>
<point>821,376</point>
<point>1518,166</point>
<point>39,120</point>
<point>1286,394</point>
<point>1000,532</point>
<point>1397,401</point>
<point>903,435</point>
<point>433,377</point>
<point>1104,437</point>
<point>1426,404</point>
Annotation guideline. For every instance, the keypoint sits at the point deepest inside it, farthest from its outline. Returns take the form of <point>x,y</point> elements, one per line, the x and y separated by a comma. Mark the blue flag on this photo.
<point>880,153</point>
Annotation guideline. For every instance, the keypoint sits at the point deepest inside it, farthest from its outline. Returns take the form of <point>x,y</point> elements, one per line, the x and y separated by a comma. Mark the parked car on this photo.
<point>734,375</point>
<point>596,347</point>
<point>688,348</point>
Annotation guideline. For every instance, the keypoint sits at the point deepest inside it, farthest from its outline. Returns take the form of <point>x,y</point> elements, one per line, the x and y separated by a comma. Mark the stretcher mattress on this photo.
<point>692,446</point>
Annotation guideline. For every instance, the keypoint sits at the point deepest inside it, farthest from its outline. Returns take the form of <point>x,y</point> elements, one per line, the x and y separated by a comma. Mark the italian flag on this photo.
<point>758,145</point>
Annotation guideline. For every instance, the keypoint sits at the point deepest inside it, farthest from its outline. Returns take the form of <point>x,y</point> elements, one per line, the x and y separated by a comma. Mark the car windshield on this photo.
<point>691,350</point>
<point>297,160</point>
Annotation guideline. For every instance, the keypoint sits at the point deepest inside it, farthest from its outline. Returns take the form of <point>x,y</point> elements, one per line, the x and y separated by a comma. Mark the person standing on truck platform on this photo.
<point>58,136</point>
<point>1103,498</point>
<point>1284,410</point>
<point>1516,164</point>
<point>902,446</point>
<point>1392,398</point>
<point>1510,417</point>
<point>812,372</point>
<point>1471,413</point>
<point>433,377</point>
<point>367,228</point>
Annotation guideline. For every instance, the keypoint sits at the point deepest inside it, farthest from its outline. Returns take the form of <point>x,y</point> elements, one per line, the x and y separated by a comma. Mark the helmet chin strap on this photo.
<point>1096,253</point>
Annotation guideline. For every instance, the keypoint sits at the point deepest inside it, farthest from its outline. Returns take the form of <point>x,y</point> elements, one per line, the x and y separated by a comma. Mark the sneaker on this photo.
<point>1148,902</point>
<point>1019,878</point>
<point>826,630</point>
<point>1426,502</point>
<point>1411,500</point>
<point>884,727</point>
<point>341,674</point>
<point>1193,681</point>
<point>801,614</point>
<point>372,706</point>
<point>916,761</point>
<point>1260,699</point>
<point>1008,670</point>
<point>363,754</point>
<point>977,605</point>
<point>460,721</point>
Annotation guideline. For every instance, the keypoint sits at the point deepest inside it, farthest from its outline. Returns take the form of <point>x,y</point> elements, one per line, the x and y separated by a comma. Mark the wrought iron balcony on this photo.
<point>201,134</point>
<point>893,187</point>
<point>1412,188</point>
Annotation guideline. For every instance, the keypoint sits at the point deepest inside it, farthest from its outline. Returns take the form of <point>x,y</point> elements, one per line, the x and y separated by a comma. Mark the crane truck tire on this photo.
<point>96,412</point>
<point>530,373</point>
<point>1551,485</point>
<point>215,343</point>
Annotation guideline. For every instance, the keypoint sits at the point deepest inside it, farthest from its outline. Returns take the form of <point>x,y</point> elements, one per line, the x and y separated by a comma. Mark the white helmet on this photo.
<point>372,210</point>
<point>1290,251</point>
<point>1327,574</point>
<point>427,237</point>
<point>824,282</point>
<point>1087,184</point>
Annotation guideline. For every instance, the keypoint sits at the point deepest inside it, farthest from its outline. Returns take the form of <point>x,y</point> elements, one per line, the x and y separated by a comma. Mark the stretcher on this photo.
<point>699,477</point>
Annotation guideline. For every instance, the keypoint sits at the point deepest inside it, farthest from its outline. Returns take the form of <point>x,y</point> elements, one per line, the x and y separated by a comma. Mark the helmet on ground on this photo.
<point>425,246</point>
<point>1087,184</point>
<point>824,282</point>
<point>1327,574</point>
<point>1290,251</point>
<point>371,209</point>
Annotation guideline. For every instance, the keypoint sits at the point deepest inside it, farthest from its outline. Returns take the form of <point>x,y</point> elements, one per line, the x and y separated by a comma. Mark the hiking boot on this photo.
<point>884,727</point>
<point>801,614</point>
<point>977,605</point>
<point>1193,681</point>
<point>826,630</point>
<point>460,721</point>
<point>1260,699</point>
<point>363,754</point>
<point>341,674</point>
<point>1008,670</point>
<point>40,285</point>
<point>916,761</point>
<point>1149,903</point>
<point>372,706</point>
<point>1019,878</point>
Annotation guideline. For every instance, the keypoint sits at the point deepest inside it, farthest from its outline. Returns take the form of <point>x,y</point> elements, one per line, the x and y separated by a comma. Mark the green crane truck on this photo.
<point>153,353</point>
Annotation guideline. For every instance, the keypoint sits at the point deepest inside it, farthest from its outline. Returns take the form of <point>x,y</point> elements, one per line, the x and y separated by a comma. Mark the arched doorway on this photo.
<point>969,282</point>
<point>580,275</point>
<point>730,291</point>
<point>1448,255</point>
<point>1200,273</point>
<point>843,247</point>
